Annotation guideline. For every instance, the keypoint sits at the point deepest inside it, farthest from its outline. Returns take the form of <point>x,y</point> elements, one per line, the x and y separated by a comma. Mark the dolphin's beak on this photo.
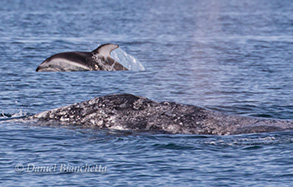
<point>41,68</point>
<point>38,69</point>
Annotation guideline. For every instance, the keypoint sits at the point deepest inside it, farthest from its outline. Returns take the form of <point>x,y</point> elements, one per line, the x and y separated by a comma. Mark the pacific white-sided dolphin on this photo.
<point>98,59</point>
<point>134,113</point>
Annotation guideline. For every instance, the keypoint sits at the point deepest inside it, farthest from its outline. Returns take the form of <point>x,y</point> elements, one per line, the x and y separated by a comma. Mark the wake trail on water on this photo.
<point>11,116</point>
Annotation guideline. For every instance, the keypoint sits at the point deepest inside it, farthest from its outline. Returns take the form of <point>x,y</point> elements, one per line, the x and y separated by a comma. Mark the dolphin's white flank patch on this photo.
<point>61,61</point>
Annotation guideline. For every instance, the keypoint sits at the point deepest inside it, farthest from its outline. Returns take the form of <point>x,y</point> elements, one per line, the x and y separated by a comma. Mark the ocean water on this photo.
<point>231,56</point>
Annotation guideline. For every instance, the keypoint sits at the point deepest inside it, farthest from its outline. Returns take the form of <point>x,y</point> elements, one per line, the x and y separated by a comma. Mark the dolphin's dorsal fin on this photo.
<point>105,49</point>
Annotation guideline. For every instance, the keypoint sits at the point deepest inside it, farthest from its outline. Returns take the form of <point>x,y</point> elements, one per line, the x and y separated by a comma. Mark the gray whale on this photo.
<point>97,60</point>
<point>135,113</point>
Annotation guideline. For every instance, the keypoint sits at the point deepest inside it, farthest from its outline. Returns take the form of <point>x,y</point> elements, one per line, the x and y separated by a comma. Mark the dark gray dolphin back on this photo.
<point>68,61</point>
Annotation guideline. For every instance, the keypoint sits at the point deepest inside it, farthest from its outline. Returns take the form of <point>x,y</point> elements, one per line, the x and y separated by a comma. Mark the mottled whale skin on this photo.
<point>135,113</point>
<point>97,60</point>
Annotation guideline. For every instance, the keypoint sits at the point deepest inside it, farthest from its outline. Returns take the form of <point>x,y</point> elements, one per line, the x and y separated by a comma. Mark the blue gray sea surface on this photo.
<point>229,56</point>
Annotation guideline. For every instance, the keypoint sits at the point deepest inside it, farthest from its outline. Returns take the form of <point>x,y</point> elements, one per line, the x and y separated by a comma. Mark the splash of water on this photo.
<point>127,60</point>
<point>7,116</point>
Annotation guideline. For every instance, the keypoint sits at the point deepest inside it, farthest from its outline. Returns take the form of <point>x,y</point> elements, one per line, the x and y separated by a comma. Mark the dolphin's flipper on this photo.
<point>105,49</point>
